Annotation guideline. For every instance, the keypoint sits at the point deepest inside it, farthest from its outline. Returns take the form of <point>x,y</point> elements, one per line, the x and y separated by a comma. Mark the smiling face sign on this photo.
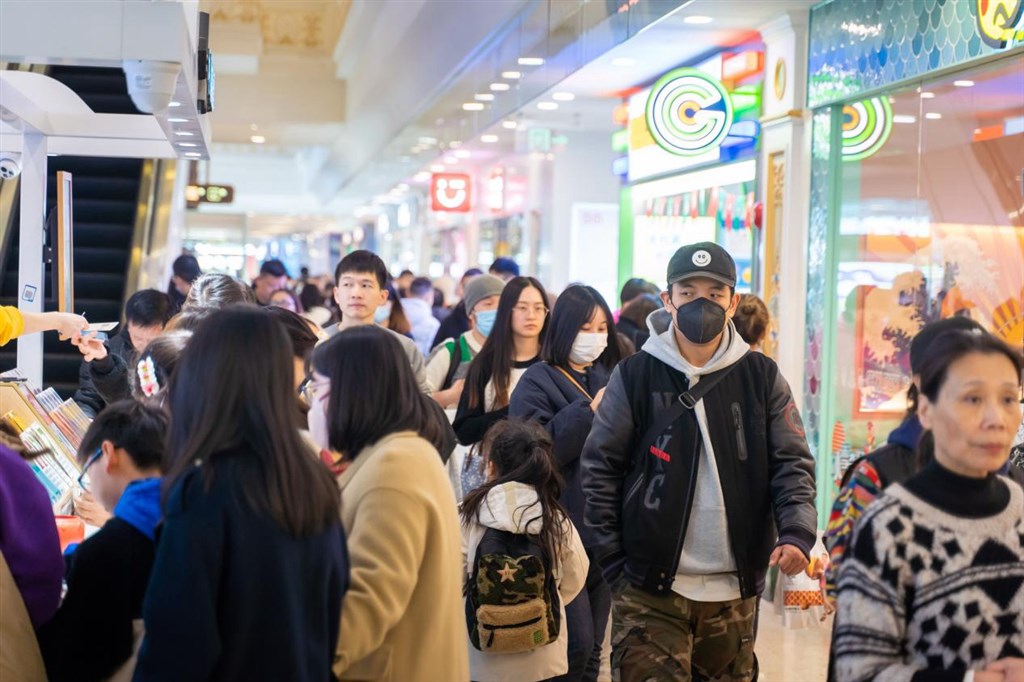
<point>449,192</point>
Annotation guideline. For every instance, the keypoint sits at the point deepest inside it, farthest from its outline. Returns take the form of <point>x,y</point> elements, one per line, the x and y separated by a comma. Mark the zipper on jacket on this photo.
<point>741,439</point>
<point>633,489</point>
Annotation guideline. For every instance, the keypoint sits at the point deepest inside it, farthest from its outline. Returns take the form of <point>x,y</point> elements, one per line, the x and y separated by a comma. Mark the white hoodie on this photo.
<point>505,509</point>
<point>707,567</point>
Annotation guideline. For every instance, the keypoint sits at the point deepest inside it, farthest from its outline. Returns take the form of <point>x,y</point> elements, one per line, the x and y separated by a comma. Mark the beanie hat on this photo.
<point>481,287</point>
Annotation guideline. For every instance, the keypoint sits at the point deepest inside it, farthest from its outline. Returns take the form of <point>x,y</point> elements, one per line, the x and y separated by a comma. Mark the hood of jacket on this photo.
<point>662,345</point>
<point>512,507</point>
<point>907,434</point>
<point>139,506</point>
<point>417,311</point>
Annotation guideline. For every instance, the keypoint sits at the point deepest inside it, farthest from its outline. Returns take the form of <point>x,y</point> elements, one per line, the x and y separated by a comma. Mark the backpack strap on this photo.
<point>453,363</point>
<point>575,383</point>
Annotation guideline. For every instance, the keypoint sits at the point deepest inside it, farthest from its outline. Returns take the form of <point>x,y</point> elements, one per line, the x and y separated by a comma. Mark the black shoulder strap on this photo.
<point>453,364</point>
<point>687,400</point>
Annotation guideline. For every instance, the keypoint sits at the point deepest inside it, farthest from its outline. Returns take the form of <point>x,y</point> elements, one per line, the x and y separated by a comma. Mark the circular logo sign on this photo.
<point>688,112</point>
<point>701,259</point>
<point>780,78</point>
<point>866,127</point>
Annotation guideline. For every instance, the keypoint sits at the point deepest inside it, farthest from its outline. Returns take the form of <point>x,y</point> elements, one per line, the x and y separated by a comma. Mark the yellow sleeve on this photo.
<point>12,324</point>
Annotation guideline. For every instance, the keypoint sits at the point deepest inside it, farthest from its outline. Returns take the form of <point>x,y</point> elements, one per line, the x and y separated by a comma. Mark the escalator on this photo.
<point>105,201</point>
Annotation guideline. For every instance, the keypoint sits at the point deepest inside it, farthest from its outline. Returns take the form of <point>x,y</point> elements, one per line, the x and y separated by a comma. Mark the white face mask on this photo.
<point>318,424</point>
<point>587,347</point>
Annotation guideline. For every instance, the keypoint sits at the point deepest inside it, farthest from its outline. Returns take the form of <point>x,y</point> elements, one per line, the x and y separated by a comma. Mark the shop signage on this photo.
<point>866,127</point>
<point>539,140</point>
<point>999,22</point>
<point>208,194</point>
<point>449,192</point>
<point>688,112</point>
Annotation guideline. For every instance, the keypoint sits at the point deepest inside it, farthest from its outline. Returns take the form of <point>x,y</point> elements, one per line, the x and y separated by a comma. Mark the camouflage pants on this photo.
<point>658,638</point>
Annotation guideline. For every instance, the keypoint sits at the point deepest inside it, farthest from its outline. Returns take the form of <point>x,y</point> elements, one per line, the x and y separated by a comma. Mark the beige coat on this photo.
<point>402,617</point>
<point>19,651</point>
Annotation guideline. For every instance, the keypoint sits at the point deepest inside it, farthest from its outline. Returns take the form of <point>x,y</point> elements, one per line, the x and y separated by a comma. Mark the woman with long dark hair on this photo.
<point>403,609</point>
<point>562,393</point>
<point>521,497</point>
<point>251,567</point>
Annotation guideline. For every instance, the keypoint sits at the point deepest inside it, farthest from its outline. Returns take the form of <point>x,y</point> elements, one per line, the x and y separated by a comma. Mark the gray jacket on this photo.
<point>419,367</point>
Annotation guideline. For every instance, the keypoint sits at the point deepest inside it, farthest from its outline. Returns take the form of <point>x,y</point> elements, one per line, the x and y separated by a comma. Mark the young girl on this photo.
<point>511,348</point>
<point>521,497</point>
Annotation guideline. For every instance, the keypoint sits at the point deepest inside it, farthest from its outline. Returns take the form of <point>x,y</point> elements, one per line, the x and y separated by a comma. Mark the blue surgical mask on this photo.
<point>382,314</point>
<point>485,321</point>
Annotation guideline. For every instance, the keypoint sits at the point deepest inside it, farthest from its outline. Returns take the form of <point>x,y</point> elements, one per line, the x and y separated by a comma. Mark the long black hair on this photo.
<point>495,359</point>
<point>373,391</point>
<point>521,453</point>
<point>232,392</point>
<point>573,309</point>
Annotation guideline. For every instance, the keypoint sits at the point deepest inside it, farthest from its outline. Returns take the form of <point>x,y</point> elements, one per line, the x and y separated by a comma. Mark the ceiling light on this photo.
<point>901,118</point>
<point>193,154</point>
<point>547,106</point>
<point>177,120</point>
<point>933,116</point>
<point>927,95</point>
<point>451,160</point>
<point>623,61</point>
<point>187,144</point>
<point>697,19</point>
<point>489,139</point>
<point>454,144</point>
<point>184,133</point>
<point>484,97</point>
<point>402,187</point>
<point>531,61</point>
<point>472,106</point>
<point>174,104</point>
<point>253,127</point>
<point>964,84</point>
<point>500,87</point>
<point>563,96</point>
<point>257,139</point>
<point>423,176</point>
<point>428,140</point>
<point>437,168</point>
<point>511,75</point>
<point>509,125</point>
<point>462,154</point>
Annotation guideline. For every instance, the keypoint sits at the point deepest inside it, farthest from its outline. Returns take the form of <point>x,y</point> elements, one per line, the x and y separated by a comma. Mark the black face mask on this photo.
<point>700,321</point>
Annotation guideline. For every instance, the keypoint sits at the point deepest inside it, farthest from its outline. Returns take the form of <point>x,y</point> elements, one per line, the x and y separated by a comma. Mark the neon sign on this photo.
<point>688,113</point>
<point>866,127</point>
<point>449,192</point>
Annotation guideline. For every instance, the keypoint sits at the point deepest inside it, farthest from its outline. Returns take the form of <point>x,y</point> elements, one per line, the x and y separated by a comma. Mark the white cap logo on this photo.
<point>701,259</point>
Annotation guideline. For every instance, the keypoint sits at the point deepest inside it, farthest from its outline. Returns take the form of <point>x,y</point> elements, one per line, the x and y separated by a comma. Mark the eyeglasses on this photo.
<point>312,388</point>
<point>88,463</point>
<point>539,310</point>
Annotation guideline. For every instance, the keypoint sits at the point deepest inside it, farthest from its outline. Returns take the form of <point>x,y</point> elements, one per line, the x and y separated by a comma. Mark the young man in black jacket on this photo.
<point>98,626</point>
<point>697,455</point>
<point>103,377</point>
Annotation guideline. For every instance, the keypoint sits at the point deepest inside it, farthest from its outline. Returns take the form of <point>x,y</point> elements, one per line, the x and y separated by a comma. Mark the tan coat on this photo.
<point>19,651</point>
<point>402,618</point>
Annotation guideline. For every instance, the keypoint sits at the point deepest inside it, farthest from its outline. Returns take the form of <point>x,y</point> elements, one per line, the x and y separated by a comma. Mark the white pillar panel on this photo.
<point>31,287</point>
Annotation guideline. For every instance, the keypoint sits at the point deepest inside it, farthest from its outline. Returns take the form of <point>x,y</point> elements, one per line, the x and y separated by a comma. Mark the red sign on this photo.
<point>449,192</point>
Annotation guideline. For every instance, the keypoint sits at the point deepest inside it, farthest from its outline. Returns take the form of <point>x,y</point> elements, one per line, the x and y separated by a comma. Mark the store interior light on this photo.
<point>563,96</point>
<point>257,139</point>
<point>511,75</point>
<point>697,19</point>
<point>193,154</point>
<point>964,84</point>
<point>509,125</point>
<point>462,154</point>
<point>187,144</point>
<point>177,120</point>
<point>903,118</point>
<point>428,140</point>
<point>424,176</point>
<point>184,133</point>
<point>473,106</point>
<point>500,87</point>
<point>531,61</point>
<point>489,139</point>
<point>547,106</point>
<point>174,104</point>
<point>402,187</point>
<point>623,61</point>
<point>451,160</point>
<point>933,116</point>
<point>484,97</point>
<point>437,168</point>
<point>455,144</point>
<point>927,95</point>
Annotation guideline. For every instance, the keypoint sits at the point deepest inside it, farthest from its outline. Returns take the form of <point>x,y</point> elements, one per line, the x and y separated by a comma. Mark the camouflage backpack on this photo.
<point>512,602</point>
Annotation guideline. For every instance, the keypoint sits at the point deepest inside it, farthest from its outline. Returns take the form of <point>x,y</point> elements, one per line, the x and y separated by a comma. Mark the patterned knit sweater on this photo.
<point>928,593</point>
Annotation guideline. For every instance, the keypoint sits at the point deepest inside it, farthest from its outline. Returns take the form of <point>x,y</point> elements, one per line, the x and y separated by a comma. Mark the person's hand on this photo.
<point>1012,669</point>
<point>789,559</point>
<point>450,396</point>
<point>68,324</point>
<point>596,402</point>
<point>91,511</point>
<point>982,676</point>
<point>89,346</point>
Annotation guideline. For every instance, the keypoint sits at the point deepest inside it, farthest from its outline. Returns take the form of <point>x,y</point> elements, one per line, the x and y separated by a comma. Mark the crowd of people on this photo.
<point>344,477</point>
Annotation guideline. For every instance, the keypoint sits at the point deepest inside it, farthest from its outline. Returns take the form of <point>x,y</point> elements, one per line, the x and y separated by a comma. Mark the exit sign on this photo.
<point>208,194</point>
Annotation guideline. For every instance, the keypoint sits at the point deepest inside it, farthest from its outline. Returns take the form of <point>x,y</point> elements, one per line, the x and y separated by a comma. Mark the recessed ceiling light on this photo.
<point>509,125</point>
<point>964,84</point>
<point>454,144</point>
<point>462,154</point>
<point>500,87</point>
<point>472,106</point>
<point>402,187</point>
<point>530,61</point>
<point>193,154</point>
<point>563,96</point>
<point>484,97</point>
<point>437,168</point>
<point>253,127</point>
<point>184,133</point>
<point>489,139</point>
<point>547,106</point>
<point>511,75</point>
<point>257,139</point>
<point>927,95</point>
<point>451,160</point>
<point>423,176</point>
<point>901,118</point>
<point>697,19</point>
<point>187,144</point>
<point>933,116</point>
<point>177,120</point>
<point>174,104</point>
<point>428,140</point>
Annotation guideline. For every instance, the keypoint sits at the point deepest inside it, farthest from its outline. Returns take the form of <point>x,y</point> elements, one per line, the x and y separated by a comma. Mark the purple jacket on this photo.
<point>28,537</point>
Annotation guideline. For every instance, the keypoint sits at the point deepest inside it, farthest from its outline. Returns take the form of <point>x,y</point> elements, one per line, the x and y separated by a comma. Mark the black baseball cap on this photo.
<point>933,330</point>
<point>703,259</point>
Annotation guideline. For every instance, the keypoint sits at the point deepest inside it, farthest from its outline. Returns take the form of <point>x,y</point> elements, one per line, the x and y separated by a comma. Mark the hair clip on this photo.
<point>148,380</point>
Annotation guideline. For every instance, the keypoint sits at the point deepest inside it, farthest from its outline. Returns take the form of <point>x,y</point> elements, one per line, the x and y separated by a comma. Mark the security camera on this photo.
<point>10,165</point>
<point>150,84</point>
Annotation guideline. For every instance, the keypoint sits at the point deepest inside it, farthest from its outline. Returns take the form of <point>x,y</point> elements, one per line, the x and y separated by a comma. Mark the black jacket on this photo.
<point>639,494</point>
<point>233,596</point>
<point>546,396</point>
<point>106,381</point>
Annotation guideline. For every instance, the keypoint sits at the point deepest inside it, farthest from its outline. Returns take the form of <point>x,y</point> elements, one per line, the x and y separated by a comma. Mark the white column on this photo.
<point>31,287</point>
<point>786,138</point>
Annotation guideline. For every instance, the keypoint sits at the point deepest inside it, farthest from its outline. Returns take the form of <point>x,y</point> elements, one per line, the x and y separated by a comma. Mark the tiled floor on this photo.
<point>791,655</point>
